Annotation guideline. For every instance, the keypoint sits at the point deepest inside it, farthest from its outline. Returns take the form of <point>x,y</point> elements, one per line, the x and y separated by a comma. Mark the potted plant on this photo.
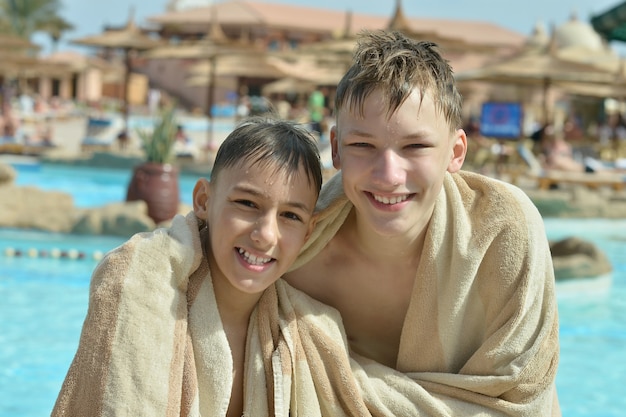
<point>155,181</point>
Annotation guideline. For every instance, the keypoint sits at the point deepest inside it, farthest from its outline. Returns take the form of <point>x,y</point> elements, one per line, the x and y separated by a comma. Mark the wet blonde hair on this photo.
<point>390,62</point>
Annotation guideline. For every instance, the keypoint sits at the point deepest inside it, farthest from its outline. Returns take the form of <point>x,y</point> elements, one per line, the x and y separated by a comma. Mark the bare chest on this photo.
<point>373,302</point>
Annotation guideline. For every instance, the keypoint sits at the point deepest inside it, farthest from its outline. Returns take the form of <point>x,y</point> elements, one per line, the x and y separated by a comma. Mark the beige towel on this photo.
<point>481,332</point>
<point>153,343</point>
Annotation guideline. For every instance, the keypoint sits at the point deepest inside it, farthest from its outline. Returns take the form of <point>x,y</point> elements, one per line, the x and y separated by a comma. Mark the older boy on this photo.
<point>440,274</point>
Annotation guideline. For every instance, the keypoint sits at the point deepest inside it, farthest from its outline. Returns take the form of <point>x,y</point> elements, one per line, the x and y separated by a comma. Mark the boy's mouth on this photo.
<point>253,259</point>
<point>390,200</point>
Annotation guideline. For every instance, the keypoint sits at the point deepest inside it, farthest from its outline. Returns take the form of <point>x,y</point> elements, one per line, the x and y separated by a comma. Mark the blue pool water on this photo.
<point>592,332</point>
<point>90,187</point>
<point>190,124</point>
<point>44,301</point>
<point>43,304</point>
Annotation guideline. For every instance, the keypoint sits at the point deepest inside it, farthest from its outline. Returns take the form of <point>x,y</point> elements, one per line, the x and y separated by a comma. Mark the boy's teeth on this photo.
<point>392,200</point>
<point>252,259</point>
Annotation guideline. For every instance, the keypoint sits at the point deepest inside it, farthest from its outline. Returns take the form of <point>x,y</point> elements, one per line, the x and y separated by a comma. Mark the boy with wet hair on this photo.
<point>258,209</point>
<point>193,319</point>
<point>443,278</point>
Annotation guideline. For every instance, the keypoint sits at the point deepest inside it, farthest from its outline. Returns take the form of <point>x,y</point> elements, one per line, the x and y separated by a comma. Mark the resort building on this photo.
<point>213,56</point>
<point>254,43</point>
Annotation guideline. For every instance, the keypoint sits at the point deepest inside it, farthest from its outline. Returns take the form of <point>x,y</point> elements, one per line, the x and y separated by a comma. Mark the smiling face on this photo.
<point>259,217</point>
<point>393,165</point>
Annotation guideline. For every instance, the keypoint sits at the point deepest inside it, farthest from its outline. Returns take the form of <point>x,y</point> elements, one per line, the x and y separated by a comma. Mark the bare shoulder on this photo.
<point>330,273</point>
<point>317,276</point>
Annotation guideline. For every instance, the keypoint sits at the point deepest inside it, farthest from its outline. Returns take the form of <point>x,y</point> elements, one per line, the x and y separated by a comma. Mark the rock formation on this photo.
<point>576,258</point>
<point>33,208</point>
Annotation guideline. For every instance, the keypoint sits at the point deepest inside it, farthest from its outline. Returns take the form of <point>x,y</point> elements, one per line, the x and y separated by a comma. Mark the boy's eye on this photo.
<point>246,203</point>
<point>417,146</point>
<point>292,216</point>
<point>360,144</point>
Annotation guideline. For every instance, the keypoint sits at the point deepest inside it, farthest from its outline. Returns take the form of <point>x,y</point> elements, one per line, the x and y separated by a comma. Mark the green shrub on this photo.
<point>158,143</point>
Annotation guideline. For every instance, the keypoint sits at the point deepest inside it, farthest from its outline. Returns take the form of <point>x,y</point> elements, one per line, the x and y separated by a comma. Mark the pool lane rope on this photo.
<point>54,253</point>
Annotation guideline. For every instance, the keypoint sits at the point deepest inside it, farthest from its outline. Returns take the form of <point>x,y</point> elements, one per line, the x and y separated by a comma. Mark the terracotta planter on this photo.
<point>157,185</point>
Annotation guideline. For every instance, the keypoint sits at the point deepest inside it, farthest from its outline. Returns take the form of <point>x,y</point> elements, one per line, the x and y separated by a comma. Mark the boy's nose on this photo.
<point>265,231</point>
<point>388,169</point>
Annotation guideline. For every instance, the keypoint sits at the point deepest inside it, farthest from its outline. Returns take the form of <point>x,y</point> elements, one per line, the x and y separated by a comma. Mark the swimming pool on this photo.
<point>90,187</point>
<point>189,123</point>
<point>44,301</point>
<point>592,327</point>
<point>43,305</point>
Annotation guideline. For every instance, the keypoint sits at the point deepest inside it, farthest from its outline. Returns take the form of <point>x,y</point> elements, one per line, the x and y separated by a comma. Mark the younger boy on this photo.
<point>191,320</point>
<point>258,210</point>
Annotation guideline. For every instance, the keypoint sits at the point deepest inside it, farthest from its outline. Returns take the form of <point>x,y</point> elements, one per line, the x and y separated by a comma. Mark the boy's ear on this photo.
<point>201,195</point>
<point>459,150</point>
<point>312,224</point>
<point>334,146</point>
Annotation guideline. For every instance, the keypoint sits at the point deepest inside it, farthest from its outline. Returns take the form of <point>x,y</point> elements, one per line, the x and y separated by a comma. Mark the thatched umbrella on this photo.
<point>11,64</point>
<point>617,91</point>
<point>215,56</point>
<point>129,39</point>
<point>214,48</point>
<point>15,43</point>
<point>542,69</point>
<point>239,65</point>
<point>28,67</point>
<point>16,55</point>
<point>536,69</point>
<point>289,85</point>
<point>309,70</point>
<point>200,49</point>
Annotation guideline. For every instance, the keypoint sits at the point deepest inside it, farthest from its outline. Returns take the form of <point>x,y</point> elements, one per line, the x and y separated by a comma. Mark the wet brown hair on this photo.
<point>273,143</point>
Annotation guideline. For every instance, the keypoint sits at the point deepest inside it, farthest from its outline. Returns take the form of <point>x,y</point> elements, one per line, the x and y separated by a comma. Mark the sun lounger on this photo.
<point>9,146</point>
<point>16,145</point>
<point>102,132</point>
<point>592,180</point>
<point>547,178</point>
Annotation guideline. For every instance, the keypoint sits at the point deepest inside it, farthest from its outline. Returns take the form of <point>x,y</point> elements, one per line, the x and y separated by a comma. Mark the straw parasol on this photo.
<point>10,42</point>
<point>129,38</point>
<point>310,70</point>
<point>289,85</point>
<point>535,69</point>
<point>201,49</point>
<point>339,46</point>
<point>18,60</point>
<point>16,54</point>
<point>239,65</point>
<point>594,90</point>
<point>215,55</point>
<point>544,69</point>
<point>12,64</point>
<point>223,57</point>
